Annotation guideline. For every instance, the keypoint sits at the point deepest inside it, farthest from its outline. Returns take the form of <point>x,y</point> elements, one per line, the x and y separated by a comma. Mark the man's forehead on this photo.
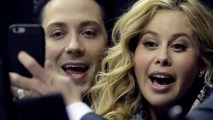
<point>80,24</point>
<point>72,2</point>
<point>72,10</point>
<point>72,6</point>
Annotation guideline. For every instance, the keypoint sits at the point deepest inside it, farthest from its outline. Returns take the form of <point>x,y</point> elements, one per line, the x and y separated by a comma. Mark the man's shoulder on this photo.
<point>92,116</point>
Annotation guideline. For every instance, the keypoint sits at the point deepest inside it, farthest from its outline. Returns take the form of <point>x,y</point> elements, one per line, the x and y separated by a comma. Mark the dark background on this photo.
<point>21,11</point>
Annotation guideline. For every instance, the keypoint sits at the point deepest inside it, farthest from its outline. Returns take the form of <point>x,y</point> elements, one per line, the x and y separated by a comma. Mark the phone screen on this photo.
<point>28,38</point>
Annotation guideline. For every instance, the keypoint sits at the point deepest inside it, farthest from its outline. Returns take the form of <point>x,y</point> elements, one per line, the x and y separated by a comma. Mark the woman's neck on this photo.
<point>161,113</point>
<point>158,113</point>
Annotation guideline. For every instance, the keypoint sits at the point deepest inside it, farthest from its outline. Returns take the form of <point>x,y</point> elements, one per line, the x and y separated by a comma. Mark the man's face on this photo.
<point>75,39</point>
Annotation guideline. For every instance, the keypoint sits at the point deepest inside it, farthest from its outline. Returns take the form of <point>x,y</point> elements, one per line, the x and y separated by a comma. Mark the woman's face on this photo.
<point>166,58</point>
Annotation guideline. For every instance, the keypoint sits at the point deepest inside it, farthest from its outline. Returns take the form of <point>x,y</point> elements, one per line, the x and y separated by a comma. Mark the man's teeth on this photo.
<point>74,66</point>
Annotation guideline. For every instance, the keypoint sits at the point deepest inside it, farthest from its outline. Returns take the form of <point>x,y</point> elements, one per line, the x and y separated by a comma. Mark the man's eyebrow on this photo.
<point>57,24</point>
<point>89,23</point>
<point>81,25</point>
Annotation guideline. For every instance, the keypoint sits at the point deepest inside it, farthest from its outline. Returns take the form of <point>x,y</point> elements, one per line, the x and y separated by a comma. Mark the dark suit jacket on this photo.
<point>202,112</point>
<point>92,116</point>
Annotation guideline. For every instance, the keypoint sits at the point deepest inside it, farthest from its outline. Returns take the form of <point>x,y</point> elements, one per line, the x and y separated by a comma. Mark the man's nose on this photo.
<point>74,46</point>
<point>163,57</point>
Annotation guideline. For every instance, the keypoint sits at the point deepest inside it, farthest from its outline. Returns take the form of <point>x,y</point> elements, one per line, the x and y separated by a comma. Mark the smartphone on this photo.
<point>28,38</point>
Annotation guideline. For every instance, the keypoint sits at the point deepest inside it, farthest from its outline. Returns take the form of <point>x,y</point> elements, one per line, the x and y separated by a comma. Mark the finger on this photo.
<point>14,91</point>
<point>32,66</point>
<point>38,88</point>
<point>50,66</point>
<point>52,71</point>
<point>27,93</point>
<point>22,82</point>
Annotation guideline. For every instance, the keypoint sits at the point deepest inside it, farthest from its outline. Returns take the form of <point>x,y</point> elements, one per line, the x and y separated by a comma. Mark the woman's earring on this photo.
<point>201,74</point>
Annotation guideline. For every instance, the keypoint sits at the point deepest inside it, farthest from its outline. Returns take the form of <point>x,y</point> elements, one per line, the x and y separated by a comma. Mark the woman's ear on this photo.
<point>202,72</point>
<point>202,67</point>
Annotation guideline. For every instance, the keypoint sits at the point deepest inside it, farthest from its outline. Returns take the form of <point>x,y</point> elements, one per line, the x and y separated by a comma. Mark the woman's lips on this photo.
<point>161,81</point>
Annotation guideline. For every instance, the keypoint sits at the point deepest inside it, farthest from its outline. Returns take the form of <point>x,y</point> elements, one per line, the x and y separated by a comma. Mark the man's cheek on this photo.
<point>53,51</point>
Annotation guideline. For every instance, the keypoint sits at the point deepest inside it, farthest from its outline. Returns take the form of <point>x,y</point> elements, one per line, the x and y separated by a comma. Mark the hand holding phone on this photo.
<point>45,81</point>
<point>28,38</point>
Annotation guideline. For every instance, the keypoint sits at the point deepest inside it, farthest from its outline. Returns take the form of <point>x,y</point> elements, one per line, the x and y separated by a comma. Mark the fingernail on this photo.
<point>12,75</point>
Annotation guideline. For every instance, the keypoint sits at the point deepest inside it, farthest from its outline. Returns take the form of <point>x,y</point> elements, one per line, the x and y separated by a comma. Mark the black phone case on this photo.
<point>28,38</point>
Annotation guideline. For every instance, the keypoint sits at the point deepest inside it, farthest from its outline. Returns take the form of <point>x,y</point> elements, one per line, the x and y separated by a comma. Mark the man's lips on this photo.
<point>75,70</point>
<point>75,67</point>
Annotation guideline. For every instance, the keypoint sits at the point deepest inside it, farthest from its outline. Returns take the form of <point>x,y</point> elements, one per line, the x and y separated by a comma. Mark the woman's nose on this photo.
<point>163,58</point>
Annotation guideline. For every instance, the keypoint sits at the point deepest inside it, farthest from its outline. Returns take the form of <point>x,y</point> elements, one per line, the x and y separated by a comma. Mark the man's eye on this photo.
<point>89,34</point>
<point>149,44</point>
<point>57,35</point>
<point>179,47</point>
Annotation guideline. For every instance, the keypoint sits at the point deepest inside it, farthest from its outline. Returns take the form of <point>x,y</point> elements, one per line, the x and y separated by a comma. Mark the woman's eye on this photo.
<point>89,34</point>
<point>150,44</point>
<point>179,47</point>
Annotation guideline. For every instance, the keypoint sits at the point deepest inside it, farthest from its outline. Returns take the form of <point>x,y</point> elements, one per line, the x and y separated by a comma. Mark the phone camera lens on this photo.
<point>18,30</point>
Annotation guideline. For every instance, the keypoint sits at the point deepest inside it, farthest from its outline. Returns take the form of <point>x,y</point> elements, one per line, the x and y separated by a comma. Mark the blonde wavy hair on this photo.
<point>116,95</point>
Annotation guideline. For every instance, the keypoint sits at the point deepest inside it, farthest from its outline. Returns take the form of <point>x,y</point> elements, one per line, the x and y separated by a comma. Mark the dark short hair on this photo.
<point>106,12</point>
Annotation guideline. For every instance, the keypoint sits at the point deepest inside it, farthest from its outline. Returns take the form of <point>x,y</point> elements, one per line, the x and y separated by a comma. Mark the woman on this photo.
<point>163,58</point>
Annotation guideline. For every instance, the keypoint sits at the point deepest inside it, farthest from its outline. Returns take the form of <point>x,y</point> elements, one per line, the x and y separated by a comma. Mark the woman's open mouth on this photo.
<point>161,81</point>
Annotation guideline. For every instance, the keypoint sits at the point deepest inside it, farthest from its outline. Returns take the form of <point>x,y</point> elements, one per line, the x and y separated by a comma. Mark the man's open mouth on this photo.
<point>75,68</point>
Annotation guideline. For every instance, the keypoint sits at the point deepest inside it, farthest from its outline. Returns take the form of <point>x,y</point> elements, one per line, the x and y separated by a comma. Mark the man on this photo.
<point>75,38</point>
